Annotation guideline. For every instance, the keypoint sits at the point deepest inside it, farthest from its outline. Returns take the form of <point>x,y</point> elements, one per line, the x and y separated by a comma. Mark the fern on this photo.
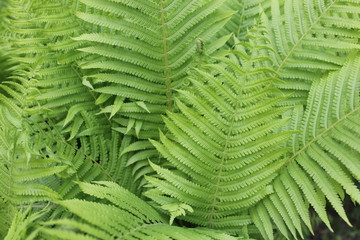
<point>310,39</point>
<point>126,217</point>
<point>27,220</point>
<point>247,12</point>
<point>172,119</point>
<point>142,98</point>
<point>34,160</point>
<point>141,52</point>
<point>221,159</point>
<point>137,74</point>
<point>31,43</point>
<point>73,108</point>
<point>325,156</point>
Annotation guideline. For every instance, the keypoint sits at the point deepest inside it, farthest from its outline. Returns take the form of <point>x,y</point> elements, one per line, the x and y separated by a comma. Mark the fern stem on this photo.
<point>226,148</point>
<point>168,89</point>
<point>217,186</point>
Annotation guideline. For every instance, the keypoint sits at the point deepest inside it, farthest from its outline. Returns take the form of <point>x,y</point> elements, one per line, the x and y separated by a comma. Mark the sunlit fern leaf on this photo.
<point>44,30</point>
<point>223,144</point>
<point>143,150</point>
<point>326,154</point>
<point>140,52</point>
<point>125,216</point>
<point>38,164</point>
<point>311,38</point>
<point>40,167</point>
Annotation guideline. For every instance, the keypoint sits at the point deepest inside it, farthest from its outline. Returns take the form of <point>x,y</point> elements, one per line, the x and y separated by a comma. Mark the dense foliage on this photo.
<point>177,119</point>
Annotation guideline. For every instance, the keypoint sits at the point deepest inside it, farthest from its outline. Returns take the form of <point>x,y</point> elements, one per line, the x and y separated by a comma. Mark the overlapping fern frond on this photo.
<point>223,144</point>
<point>251,139</point>
<point>137,56</point>
<point>39,33</point>
<point>311,38</point>
<point>325,159</point>
<point>37,164</point>
<point>140,52</point>
<point>246,16</point>
<point>126,217</point>
<point>23,224</point>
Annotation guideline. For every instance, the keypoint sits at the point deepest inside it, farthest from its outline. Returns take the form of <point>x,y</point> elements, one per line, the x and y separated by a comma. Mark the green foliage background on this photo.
<point>179,119</point>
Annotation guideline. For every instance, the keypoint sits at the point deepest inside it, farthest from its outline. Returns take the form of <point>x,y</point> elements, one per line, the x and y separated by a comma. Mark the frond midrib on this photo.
<point>168,90</point>
<point>226,148</point>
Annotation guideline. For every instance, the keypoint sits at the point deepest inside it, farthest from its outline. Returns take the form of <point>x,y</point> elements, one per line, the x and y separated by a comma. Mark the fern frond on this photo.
<point>36,162</point>
<point>23,223</point>
<point>138,55</point>
<point>223,144</point>
<point>6,214</point>
<point>126,217</point>
<point>311,39</point>
<point>326,155</point>
<point>31,171</point>
<point>54,86</point>
<point>246,16</point>
<point>147,58</point>
<point>38,33</point>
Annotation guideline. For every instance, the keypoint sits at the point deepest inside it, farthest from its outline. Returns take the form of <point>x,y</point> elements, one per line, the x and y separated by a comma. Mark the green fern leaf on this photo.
<point>246,16</point>
<point>226,153</point>
<point>148,58</point>
<point>127,217</point>
<point>326,154</point>
<point>311,39</point>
